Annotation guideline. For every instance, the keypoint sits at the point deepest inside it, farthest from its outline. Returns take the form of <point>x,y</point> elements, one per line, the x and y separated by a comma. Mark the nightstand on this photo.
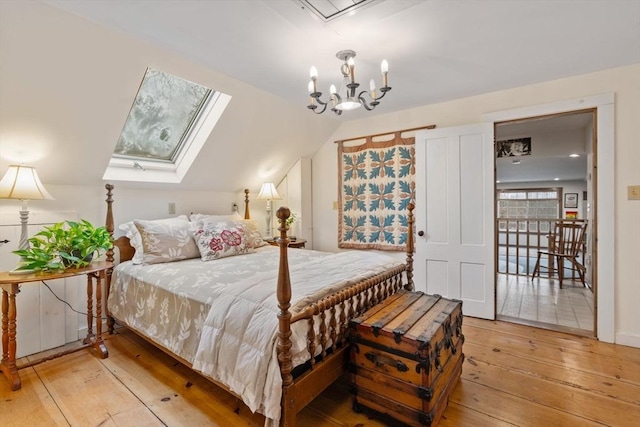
<point>10,285</point>
<point>296,244</point>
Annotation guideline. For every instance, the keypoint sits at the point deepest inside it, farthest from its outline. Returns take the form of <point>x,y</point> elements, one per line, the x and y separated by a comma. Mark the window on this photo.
<point>536,204</point>
<point>169,122</point>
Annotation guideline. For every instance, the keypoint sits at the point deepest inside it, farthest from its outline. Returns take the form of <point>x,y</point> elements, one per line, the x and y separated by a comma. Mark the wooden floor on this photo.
<point>512,375</point>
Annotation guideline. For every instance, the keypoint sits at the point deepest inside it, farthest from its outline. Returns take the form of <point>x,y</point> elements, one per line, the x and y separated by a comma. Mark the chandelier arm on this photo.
<point>313,108</point>
<point>315,96</point>
<point>363,102</point>
<point>384,91</point>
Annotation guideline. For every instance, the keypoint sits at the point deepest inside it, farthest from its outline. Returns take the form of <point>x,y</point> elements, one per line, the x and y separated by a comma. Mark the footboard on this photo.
<point>327,363</point>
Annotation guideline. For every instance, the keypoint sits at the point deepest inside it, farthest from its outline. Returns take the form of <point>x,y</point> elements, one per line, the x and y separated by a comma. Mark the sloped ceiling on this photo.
<point>69,70</point>
<point>437,50</point>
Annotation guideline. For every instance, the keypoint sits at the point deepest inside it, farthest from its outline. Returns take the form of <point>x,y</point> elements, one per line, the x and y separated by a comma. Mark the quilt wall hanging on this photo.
<point>376,185</point>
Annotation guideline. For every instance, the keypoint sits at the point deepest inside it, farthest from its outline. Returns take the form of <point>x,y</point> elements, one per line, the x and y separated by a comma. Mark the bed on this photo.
<point>270,326</point>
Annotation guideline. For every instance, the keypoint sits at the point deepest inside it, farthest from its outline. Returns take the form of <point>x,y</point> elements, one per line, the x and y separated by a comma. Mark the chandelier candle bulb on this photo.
<point>352,73</point>
<point>333,97</point>
<point>314,78</point>
<point>384,67</point>
<point>372,87</point>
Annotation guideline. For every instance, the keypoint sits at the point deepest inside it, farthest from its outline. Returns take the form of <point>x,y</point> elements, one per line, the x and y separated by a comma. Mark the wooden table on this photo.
<point>298,243</point>
<point>10,284</point>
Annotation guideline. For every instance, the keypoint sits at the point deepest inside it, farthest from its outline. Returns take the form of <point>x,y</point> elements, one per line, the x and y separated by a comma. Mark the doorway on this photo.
<point>545,175</point>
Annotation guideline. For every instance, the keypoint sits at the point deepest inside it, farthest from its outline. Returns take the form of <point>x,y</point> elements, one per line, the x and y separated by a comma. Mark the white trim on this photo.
<point>604,103</point>
<point>120,169</point>
<point>631,340</point>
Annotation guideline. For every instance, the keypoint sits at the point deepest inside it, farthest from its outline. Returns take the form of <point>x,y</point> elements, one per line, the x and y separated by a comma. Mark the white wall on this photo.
<point>129,204</point>
<point>624,82</point>
<point>295,190</point>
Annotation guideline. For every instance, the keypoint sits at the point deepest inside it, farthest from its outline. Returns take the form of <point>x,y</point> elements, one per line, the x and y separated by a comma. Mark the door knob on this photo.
<point>420,233</point>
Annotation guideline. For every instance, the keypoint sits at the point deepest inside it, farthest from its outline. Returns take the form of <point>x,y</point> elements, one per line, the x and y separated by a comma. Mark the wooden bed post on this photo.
<point>288,415</point>
<point>109,224</point>
<point>410,249</point>
<point>246,204</point>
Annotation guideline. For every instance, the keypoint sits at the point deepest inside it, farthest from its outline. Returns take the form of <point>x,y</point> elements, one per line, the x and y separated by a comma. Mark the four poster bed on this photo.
<point>270,331</point>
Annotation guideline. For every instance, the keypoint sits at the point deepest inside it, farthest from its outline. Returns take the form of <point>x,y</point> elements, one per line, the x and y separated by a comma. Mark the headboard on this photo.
<point>125,249</point>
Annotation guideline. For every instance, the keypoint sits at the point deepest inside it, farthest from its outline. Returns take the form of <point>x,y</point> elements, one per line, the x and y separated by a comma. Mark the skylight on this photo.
<point>169,122</point>
<point>327,10</point>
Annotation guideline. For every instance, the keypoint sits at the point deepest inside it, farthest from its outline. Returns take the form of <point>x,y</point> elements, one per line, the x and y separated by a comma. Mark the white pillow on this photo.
<point>253,233</point>
<point>134,235</point>
<point>166,241</point>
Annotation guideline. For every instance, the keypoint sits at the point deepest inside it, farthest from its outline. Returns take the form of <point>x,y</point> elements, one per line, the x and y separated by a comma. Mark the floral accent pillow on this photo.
<point>166,241</point>
<point>222,239</point>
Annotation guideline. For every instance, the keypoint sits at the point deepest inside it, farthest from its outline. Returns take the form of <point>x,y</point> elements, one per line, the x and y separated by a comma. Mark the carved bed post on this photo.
<point>410,249</point>
<point>247,215</point>
<point>109,224</point>
<point>284,321</point>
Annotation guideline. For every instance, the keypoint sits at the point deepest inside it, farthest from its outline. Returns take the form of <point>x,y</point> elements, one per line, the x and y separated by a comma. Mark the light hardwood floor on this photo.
<point>512,375</point>
<point>541,302</point>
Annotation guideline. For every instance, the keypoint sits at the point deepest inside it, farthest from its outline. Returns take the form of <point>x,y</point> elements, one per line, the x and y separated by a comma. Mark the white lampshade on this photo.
<point>22,182</point>
<point>269,192</point>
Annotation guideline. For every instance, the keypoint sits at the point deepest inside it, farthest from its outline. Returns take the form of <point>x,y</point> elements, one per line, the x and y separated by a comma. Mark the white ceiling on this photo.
<point>556,165</point>
<point>437,50</point>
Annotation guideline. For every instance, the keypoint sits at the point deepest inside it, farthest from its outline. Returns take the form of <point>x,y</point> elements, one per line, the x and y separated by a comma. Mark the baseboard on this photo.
<point>628,339</point>
<point>82,331</point>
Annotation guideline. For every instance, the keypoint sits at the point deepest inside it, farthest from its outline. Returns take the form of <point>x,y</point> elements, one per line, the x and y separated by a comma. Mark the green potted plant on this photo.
<point>66,244</point>
<point>289,222</point>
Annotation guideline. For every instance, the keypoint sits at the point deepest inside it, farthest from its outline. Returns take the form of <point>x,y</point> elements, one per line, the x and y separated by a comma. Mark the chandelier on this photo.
<point>346,98</point>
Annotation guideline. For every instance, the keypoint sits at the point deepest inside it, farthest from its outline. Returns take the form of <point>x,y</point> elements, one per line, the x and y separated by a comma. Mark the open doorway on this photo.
<point>544,177</point>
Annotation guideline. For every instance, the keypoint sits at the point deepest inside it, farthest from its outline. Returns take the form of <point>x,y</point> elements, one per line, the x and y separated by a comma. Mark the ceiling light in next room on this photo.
<point>574,155</point>
<point>556,179</point>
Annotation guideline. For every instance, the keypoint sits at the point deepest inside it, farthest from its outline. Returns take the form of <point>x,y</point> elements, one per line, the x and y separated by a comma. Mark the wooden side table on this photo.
<point>10,285</point>
<point>297,244</point>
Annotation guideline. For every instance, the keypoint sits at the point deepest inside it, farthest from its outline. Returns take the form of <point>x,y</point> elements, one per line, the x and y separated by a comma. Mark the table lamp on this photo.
<point>22,183</point>
<point>268,192</point>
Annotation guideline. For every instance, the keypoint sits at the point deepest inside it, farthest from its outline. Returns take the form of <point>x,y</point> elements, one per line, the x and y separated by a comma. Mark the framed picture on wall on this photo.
<point>514,147</point>
<point>571,200</point>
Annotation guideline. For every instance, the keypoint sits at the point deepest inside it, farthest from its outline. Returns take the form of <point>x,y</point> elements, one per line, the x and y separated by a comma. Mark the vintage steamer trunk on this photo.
<point>406,357</point>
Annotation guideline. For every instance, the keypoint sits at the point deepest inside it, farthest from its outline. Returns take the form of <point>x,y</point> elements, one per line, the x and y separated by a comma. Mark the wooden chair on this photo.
<point>565,243</point>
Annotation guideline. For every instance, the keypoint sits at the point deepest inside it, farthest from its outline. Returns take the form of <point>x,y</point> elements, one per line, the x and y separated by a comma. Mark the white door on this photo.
<point>455,216</point>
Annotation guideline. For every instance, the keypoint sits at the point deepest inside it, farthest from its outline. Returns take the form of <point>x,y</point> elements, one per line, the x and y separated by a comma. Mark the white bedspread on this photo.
<point>236,344</point>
